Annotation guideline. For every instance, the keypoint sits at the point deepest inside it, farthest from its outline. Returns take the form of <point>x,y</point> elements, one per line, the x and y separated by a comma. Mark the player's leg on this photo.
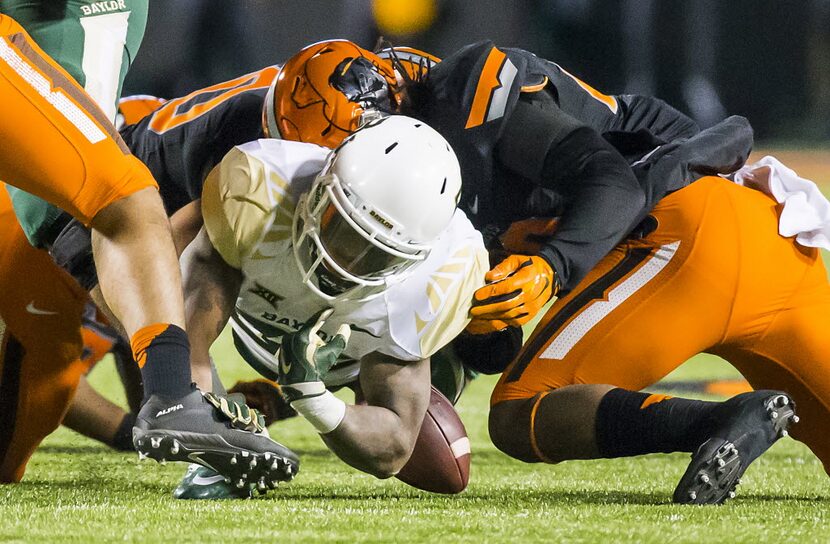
<point>114,197</point>
<point>88,170</point>
<point>90,413</point>
<point>95,45</point>
<point>780,338</point>
<point>90,173</point>
<point>572,392</point>
<point>584,348</point>
<point>35,390</point>
<point>94,416</point>
<point>806,379</point>
<point>40,319</point>
<point>70,155</point>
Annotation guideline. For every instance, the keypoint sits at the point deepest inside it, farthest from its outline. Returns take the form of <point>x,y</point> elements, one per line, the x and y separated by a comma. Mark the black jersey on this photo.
<point>183,140</point>
<point>534,140</point>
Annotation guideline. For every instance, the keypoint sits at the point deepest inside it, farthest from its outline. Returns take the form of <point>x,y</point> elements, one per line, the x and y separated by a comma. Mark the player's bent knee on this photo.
<point>509,426</point>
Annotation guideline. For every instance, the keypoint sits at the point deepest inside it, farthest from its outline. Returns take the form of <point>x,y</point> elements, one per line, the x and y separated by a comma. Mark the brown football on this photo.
<point>440,462</point>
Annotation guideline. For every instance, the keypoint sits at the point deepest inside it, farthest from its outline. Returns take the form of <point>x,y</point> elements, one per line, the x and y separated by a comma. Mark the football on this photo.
<point>440,462</point>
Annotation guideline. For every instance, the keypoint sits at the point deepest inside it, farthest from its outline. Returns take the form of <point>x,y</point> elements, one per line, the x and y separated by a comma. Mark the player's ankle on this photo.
<point>633,423</point>
<point>162,352</point>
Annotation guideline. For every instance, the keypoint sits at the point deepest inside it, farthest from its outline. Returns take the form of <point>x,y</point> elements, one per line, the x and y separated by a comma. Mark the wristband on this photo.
<point>324,411</point>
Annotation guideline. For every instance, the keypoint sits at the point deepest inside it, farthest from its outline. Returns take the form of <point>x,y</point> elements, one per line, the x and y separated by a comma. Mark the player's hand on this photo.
<point>240,414</point>
<point>517,288</point>
<point>265,397</point>
<point>305,358</point>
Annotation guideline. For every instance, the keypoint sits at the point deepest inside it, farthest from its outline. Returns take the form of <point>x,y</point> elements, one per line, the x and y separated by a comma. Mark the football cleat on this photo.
<point>744,427</point>
<point>218,435</point>
<point>202,483</point>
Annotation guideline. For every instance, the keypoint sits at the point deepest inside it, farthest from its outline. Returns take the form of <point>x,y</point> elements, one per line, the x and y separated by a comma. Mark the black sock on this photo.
<point>632,423</point>
<point>162,351</point>
<point>123,438</point>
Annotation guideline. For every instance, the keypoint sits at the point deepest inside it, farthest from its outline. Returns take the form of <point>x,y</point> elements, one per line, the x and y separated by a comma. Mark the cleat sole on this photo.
<point>213,452</point>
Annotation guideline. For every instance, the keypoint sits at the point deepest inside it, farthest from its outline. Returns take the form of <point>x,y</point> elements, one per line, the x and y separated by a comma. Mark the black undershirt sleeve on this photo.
<point>654,115</point>
<point>603,199</point>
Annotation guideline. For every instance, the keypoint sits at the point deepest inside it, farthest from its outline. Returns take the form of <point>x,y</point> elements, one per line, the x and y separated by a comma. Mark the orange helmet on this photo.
<point>322,92</point>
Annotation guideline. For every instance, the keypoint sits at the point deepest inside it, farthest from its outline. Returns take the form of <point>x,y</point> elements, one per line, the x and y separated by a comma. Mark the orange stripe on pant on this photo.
<point>731,286</point>
<point>57,143</point>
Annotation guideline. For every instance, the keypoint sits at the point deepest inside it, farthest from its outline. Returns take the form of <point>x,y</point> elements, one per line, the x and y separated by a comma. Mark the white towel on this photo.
<point>806,213</point>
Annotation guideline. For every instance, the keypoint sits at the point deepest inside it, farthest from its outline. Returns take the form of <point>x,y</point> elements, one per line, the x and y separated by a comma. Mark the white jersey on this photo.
<point>248,205</point>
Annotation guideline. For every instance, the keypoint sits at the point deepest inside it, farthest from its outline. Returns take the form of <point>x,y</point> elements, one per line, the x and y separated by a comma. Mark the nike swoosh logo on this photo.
<point>34,311</point>
<point>210,480</point>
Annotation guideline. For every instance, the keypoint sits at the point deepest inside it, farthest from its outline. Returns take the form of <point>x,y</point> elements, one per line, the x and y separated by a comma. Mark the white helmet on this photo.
<point>386,194</point>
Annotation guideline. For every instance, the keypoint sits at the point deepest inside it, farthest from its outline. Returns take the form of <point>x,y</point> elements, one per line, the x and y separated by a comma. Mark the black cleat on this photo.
<point>745,426</point>
<point>196,428</point>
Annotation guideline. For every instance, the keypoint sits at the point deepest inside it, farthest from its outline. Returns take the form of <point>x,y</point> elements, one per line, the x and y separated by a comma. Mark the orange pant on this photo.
<point>715,277</point>
<point>56,143</point>
<point>40,344</point>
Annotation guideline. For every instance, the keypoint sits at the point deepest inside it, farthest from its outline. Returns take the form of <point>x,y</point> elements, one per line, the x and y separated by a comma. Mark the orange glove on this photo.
<point>517,288</point>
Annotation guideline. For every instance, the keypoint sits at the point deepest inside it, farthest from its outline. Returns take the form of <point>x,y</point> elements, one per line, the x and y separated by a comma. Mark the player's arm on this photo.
<point>653,115</point>
<point>603,198</point>
<point>378,437</point>
<point>603,201</point>
<point>211,287</point>
<point>185,224</point>
<point>211,265</point>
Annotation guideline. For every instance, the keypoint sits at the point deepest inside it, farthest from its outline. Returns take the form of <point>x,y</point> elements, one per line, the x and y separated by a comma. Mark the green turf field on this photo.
<point>78,491</point>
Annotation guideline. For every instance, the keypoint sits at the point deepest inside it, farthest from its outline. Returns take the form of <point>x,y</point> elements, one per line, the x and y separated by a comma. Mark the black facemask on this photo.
<point>360,81</point>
